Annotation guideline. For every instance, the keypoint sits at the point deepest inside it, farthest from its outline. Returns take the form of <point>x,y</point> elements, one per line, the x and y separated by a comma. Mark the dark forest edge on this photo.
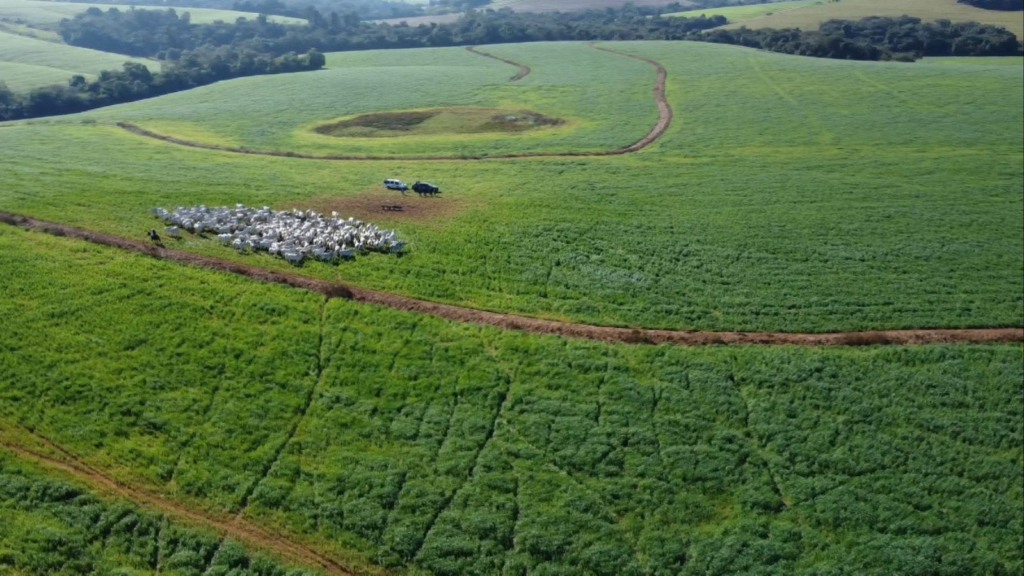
<point>193,55</point>
<point>878,38</point>
<point>1006,5</point>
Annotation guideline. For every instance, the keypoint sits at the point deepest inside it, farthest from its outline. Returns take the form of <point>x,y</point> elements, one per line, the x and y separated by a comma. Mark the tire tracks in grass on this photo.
<point>318,378</point>
<point>252,535</point>
<point>758,446</point>
<point>523,72</point>
<point>473,470</point>
<point>610,334</point>
<point>665,116</point>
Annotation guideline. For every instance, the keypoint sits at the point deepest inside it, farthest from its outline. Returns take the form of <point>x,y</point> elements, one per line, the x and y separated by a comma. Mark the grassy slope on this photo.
<point>789,194</point>
<point>27,63</point>
<point>24,77</point>
<point>740,14</point>
<point>41,13</point>
<point>811,16</point>
<point>360,82</point>
<point>459,449</point>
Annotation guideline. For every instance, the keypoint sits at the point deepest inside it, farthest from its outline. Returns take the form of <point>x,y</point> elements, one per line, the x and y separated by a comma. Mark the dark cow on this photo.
<point>425,189</point>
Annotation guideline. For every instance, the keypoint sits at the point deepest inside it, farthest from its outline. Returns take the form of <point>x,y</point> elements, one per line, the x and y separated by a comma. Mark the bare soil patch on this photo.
<point>378,205</point>
<point>527,324</point>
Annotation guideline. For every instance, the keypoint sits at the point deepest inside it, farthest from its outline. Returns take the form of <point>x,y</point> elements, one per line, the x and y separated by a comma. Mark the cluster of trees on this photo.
<point>367,9</point>
<point>135,81</point>
<point>194,55</point>
<point>1009,5</point>
<point>159,33</point>
<point>877,38</point>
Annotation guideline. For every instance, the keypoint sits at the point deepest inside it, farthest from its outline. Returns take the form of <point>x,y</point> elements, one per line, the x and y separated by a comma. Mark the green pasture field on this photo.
<point>562,85</point>
<point>24,77</point>
<point>811,16</point>
<point>789,194</point>
<point>740,14</point>
<point>404,441</point>
<point>10,27</point>
<point>53,526</point>
<point>27,63</point>
<point>43,13</point>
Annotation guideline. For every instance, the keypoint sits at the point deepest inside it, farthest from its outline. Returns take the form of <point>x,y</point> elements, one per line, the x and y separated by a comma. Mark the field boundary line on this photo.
<point>523,72</point>
<point>252,535</point>
<point>901,337</point>
<point>665,116</point>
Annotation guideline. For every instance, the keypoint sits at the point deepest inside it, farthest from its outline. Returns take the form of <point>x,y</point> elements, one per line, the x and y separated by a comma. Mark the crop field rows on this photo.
<point>819,221</point>
<point>787,195</point>
<point>466,450</point>
<point>525,324</point>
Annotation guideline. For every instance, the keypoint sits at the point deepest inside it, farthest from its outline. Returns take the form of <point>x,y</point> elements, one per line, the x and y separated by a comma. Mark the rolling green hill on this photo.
<point>788,194</point>
<point>27,63</point>
<point>401,440</point>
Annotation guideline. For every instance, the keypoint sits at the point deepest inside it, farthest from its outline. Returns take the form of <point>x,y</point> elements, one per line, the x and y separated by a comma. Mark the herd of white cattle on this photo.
<point>293,235</point>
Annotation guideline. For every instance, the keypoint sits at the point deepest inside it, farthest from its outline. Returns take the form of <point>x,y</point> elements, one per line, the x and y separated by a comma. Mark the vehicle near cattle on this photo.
<point>425,189</point>
<point>393,184</point>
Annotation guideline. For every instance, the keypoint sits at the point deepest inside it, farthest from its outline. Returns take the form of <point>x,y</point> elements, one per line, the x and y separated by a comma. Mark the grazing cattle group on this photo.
<point>293,235</point>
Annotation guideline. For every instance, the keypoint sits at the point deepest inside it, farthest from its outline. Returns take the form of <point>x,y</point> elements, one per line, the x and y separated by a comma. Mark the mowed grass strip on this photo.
<point>419,444</point>
<point>811,16</point>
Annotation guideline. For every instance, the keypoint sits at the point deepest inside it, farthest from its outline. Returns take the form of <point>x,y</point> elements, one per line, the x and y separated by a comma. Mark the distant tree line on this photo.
<point>366,9</point>
<point>161,33</point>
<point>876,38</point>
<point>1009,5</point>
<point>193,55</point>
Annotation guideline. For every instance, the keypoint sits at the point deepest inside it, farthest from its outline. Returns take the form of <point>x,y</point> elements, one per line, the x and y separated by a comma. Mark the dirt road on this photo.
<point>523,323</point>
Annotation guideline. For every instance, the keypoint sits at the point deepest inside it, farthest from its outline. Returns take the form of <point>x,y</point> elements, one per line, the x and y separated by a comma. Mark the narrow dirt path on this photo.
<point>524,323</point>
<point>252,535</point>
<point>523,72</point>
<point>665,116</point>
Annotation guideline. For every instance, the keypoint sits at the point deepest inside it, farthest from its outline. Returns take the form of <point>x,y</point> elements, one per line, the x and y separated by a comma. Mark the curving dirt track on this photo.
<point>665,116</point>
<point>523,323</point>
<point>523,72</point>
<point>244,531</point>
